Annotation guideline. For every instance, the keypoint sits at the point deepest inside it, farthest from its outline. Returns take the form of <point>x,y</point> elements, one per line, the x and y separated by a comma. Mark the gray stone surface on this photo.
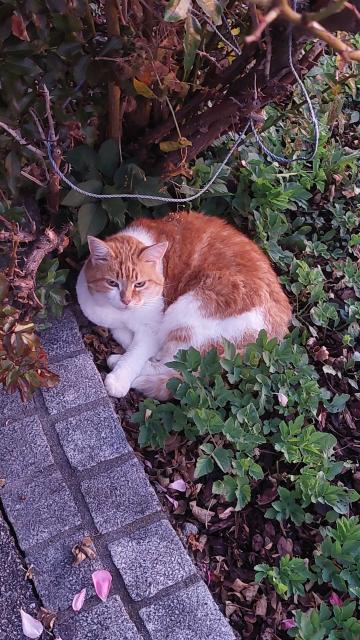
<point>39,509</point>
<point>151,559</point>
<point>80,382</point>
<point>91,437</point>
<point>56,578</point>
<point>62,337</point>
<point>24,449</point>
<point>11,406</point>
<point>188,615</point>
<point>107,621</point>
<point>120,496</point>
<point>15,591</point>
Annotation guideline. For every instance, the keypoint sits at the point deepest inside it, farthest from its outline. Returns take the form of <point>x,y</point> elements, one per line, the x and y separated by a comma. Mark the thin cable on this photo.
<point>315,143</point>
<point>108,196</point>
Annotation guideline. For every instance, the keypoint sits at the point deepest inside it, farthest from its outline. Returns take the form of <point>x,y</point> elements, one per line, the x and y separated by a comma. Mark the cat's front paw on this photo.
<point>116,386</point>
<point>113,360</point>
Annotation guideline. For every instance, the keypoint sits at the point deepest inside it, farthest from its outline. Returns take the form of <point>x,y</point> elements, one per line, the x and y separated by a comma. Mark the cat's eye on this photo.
<point>112,283</point>
<point>140,285</point>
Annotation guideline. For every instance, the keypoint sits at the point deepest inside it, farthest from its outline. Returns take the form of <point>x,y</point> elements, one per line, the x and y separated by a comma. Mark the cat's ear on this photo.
<point>99,250</point>
<point>154,253</point>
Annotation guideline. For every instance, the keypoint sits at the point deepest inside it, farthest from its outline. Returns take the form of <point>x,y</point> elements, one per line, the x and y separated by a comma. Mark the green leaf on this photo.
<point>212,8</point>
<point>338,403</point>
<point>177,10</point>
<point>192,38</point>
<point>109,157</point>
<point>223,458</point>
<point>75,199</point>
<point>91,220</point>
<point>204,466</point>
<point>115,207</point>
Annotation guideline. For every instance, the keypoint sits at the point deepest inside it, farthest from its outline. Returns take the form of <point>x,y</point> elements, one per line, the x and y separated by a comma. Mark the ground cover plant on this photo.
<point>256,457</point>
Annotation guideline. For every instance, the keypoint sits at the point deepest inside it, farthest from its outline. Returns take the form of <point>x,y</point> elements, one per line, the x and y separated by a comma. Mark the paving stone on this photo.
<point>107,621</point>
<point>91,437</point>
<point>24,449</point>
<point>15,591</point>
<point>56,578</point>
<point>11,406</point>
<point>119,496</point>
<point>80,382</point>
<point>151,559</point>
<point>188,615</point>
<point>62,337</point>
<point>39,509</point>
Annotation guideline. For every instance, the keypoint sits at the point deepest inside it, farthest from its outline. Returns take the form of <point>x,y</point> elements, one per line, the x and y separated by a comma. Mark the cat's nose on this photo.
<point>125,300</point>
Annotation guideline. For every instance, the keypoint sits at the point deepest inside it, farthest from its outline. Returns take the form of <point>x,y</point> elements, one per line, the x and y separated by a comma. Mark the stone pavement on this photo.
<point>15,591</point>
<point>70,472</point>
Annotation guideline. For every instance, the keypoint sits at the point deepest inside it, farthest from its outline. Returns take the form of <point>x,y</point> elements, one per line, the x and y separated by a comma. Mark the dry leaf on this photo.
<point>203,515</point>
<point>2,482</point>
<point>18,28</point>
<point>29,574</point>
<point>47,618</point>
<point>261,606</point>
<point>85,549</point>
<point>143,90</point>
<point>173,145</point>
<point>250,592</point>
<point>238,585</point>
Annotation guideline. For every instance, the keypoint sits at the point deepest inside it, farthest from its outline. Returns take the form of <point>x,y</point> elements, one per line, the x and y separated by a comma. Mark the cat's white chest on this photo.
<point>100,312</point>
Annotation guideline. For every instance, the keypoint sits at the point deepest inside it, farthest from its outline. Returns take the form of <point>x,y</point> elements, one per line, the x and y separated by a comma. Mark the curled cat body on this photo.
<point>164,285</point>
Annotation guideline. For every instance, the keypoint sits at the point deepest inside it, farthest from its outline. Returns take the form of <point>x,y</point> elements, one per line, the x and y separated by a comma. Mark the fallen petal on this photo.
<point>102,582</point>
<point>178,485</point>
<point>288,624</point>
<point>79,599</point>
<point>335,600</point>
<point>283,399</point>
<point>31,628</point>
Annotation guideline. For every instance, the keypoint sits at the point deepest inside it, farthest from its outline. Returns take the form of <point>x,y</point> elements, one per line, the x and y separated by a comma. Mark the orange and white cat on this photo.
<point>164,285</point>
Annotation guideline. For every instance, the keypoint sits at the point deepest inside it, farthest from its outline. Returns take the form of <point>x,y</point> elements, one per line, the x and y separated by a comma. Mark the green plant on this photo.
<point>336,623</point>
<point>337,559</point>
<point>288,579</point>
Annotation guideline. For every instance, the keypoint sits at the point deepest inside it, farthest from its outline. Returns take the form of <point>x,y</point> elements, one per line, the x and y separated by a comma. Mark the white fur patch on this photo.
<point>186,312</point>
<point>140,234</point>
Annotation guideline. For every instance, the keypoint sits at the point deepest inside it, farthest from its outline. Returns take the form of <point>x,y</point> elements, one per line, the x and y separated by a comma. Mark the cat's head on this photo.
<point>125,272</point>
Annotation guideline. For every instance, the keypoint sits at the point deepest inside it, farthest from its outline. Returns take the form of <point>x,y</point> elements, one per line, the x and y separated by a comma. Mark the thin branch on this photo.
<point>17,136</point>
<point>21,236</point>
<point>53,199</point>
<point>50,120</point>
<point>263,23</point>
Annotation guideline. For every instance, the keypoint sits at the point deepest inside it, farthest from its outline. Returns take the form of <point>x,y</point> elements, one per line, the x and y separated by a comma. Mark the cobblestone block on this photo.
<point>107,621</point>
<point>119,496</point>
<point>62,337</point>
<point>56,578</point>
<point>92,437</point>
<point>39,509</point>
<point>80,382</point>
<point>11,406</point>
<point>151,559</point>
<point>24,449</point>
<point>188,615</point>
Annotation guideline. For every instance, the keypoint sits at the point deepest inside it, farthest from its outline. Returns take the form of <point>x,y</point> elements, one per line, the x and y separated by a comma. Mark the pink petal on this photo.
<point>283,399</point>
<point>288,624</point>
<point>178,485</point>
<point>79,599</point>
<point>102,582</point>
<point>31,628</point>
<point>335,600</point>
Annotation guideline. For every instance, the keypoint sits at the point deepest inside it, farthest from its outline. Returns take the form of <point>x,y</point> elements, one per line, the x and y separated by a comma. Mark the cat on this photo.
<point>164,285</point>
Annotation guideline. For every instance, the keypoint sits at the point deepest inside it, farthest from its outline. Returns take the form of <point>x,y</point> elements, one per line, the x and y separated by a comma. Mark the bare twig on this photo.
<point>263,23</point>
<point>53,199</point>
<point>114,91</point>
<point>21,236</point>
<point>17,136</point>
<point>51,240</point>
